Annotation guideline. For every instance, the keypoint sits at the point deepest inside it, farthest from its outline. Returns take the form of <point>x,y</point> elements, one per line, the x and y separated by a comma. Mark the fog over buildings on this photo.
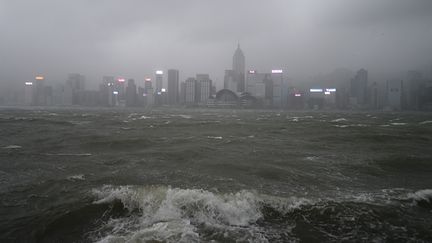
<point>305,38</point>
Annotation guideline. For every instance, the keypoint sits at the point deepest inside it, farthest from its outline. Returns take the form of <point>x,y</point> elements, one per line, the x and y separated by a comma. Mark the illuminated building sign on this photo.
<point>252,71</point>
<point>327,93</point>
<point>331,90</point>
<point>148,79</point>
<point>29,83</point>
<point>39,78</point>
<point>316,90</point>
<point>115,92</point>
<point>297,95</point>
<point>277,71</point>
<point>121,80</point>
<point>160,72</point>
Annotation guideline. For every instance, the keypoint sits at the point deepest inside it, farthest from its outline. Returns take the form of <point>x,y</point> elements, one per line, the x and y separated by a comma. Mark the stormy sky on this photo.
<point>133,38</point>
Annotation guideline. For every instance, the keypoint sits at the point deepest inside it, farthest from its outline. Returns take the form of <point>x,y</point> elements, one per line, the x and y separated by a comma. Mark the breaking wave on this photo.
<point>185,215</point>
<point>422,198</point>
<point>165,214</point>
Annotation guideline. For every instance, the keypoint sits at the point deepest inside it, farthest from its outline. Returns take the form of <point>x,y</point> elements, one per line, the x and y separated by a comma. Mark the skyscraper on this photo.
<point>107,91</point>
<point>147,85</point>
<point>204,86</point>
<point>190,90</point>
<point>238,67</point>
<point>39,91</point>
<point>278,88</point>
<point>75,84</point>
<point>234,79</point>
<point>359,87</point>
<point>394,90</point>
<point>255,84</point>
<point>159,80</point>
<point>173,86</point>
<point>28,93</point>
<point>412,90</point>
<point>230,81</point>
<point>131,93</point>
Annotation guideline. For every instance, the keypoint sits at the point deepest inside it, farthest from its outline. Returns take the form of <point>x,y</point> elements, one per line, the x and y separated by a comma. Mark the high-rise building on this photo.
<point>238,66</point>
<point>268,87</point>
<point>150,97</point>
<point>28,93</point>
<point>279,96</point>
<point>182,92</point>
<point>359,87</point>
<point>204,84</point>
<point>394,91</point>
<point>190,89</point>
<point>39,90</point>
<point>373,96</point>
<point>159,80</point>
<point>119,88</point>
<point>131,93</point>
<point>413,85</point>
<point>75,84</point>
<point>230,81</point>
<point>173,86</point>
<point>234,79</point>
<point>147,85</point>
<point>255,84</point>
<point>107,91</point>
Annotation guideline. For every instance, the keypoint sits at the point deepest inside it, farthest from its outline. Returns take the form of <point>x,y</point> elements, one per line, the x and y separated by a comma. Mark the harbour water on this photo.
<point>214,176</point>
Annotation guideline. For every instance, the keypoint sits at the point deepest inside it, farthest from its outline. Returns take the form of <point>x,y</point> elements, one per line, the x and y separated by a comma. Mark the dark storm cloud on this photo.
<point>133,38</point>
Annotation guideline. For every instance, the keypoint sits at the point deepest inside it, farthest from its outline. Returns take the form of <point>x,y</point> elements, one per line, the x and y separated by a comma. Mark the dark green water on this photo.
<point>214,176</point>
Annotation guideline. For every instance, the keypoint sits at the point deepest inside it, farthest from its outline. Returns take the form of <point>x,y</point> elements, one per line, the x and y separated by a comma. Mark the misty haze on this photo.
<point>216,121</point>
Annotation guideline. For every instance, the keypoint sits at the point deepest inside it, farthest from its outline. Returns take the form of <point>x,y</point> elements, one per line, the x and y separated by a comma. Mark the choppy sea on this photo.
<point>165,175</point>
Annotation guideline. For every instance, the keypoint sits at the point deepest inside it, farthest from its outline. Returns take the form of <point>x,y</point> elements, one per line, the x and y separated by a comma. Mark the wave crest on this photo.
<point>172,214</point>
<point>422,198</point>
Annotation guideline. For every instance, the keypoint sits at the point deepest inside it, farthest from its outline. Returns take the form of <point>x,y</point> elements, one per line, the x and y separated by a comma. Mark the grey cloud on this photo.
<point>134,37</point>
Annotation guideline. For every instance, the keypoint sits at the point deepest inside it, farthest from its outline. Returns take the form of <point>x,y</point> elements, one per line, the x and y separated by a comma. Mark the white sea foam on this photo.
<point>311,158</point>
<point>183,116</point>
<point>422,195</point>
<point>339,120</point>
<point>425,122</point>
<point>398,123</point>
<point>12,147</point>
<point>69,154</point>
<point>80,123</point>
<point>212,137</point>
<point>352,125</point>
<point>145,117</point>
<point>79,177</point>
<point>173,214</point>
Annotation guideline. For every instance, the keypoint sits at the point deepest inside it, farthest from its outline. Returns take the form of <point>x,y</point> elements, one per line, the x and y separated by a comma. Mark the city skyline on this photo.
<point>306,38</point>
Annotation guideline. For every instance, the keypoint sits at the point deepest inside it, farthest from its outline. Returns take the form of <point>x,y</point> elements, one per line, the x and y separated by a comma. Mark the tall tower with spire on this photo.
<point>238,68</point>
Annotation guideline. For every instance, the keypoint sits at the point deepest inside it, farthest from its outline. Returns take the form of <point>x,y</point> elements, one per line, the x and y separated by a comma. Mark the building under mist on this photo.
<point>204,87</point>
<point>234,79</point>
<point>359,86</point>
<point>173,86</point>
<point>394,94</point>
